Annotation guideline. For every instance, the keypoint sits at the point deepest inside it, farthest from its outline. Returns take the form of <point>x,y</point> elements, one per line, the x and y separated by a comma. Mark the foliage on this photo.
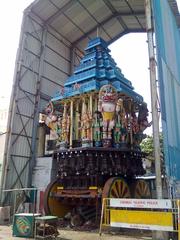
<point>147,145</point>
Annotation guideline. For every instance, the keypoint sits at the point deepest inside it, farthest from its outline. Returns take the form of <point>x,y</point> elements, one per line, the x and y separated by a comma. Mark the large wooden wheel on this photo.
<point>116,187</point>
<point>140,189</point>
<point>52,205</point>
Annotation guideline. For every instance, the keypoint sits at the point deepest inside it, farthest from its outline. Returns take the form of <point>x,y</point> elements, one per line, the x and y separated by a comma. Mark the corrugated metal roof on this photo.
<point>79,19</point>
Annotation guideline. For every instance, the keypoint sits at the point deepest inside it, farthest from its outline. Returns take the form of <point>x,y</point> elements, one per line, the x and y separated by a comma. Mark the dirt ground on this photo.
<point>6,234</point>
<point>73,235</point>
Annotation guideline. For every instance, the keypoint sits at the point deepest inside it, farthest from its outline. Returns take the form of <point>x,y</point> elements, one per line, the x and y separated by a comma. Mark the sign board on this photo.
<point>147,220</point>
<point>141,203</point>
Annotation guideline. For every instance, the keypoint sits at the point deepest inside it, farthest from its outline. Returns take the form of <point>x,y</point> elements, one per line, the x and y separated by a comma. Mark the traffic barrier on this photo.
<point>145,214</point>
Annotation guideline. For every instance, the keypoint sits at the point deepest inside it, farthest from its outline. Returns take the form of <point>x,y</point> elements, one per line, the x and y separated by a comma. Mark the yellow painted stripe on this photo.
<point>60,188</point>
<point>142,217</point>
<point>92,188</point>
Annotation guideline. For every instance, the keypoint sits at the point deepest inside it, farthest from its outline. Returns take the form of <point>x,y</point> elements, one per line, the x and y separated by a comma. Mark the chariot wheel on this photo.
<point>116,187</point>
<point>140,189</point>
<point>52,205</point>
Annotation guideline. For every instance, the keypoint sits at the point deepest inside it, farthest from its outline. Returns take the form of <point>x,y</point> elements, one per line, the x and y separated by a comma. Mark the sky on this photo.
<point>130,52</point>
<point>10,25</point>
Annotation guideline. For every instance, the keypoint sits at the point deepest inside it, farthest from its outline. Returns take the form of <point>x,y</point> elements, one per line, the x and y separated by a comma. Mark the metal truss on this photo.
<point>20,94</point>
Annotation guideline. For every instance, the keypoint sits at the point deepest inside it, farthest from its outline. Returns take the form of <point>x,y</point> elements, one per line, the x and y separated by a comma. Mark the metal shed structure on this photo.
<point>53,36</point>
<point>168,51</point>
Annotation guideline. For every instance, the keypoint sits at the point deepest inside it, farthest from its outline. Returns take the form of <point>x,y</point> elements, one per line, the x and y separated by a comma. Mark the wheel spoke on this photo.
<point>141,189</point>
<point>125,194</point>
<point>138,191</point>
<point>119,184</point>
<point>120,188</point>
<point>145,189</point>
<point>140,185</point>
<point>114,192</point>
<point>117,188</point>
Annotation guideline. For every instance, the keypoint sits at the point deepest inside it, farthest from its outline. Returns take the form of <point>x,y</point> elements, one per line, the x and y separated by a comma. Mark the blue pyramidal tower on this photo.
<point>97,68</point>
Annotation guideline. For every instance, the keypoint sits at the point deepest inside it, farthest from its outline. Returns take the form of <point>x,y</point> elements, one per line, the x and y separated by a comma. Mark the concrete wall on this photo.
<point>44,172</point>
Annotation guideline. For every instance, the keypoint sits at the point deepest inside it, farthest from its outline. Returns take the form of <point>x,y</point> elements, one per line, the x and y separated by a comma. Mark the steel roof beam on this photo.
<point>128,14</point>
<point>139,13</point>
<point>113,10</point>
<point>50,26</point>
<point>93,17</point>
<point>66,7</point>
<point>133,13</point>
<point>93,29</point>
<point>59,12</point>
<point>74,24</point>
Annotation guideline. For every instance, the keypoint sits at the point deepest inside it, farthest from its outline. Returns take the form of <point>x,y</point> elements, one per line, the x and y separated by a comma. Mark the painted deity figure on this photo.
<point>135,125</point>
<point>141,124</point>
<point>65,125</point>
<point>59,128</point>
<point>118,124</point>
<point>86,124</point>
<point>50,119</point>
<point>143,117</point>
<point>97,129</point>
<point>123,117</point>
<point>78,130</point>
<point>107,106</point>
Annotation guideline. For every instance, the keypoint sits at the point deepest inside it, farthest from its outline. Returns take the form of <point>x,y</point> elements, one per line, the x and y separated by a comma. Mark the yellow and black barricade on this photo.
<point>146,214</point>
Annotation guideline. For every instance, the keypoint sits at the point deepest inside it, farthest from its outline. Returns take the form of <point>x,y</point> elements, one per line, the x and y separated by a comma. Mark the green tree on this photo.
<point>148,147</point>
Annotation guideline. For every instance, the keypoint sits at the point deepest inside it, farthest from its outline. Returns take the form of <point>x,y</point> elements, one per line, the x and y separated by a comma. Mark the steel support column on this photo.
<point>12,109</point>
<point>158,235</point>
<point>154,99</point>
<point>12,158</point>
<point>37,108</point>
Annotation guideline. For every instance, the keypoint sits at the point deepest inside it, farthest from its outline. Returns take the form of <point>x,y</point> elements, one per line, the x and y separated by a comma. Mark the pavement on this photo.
<point>6,234</point>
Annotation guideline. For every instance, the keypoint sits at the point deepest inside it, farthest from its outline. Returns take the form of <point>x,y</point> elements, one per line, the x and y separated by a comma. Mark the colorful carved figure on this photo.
<point>49,109</point>
<point>134,124</point>
<point>59,128</point>
<point>65,125</point>
<point>118,125</point>
<point>86,124</point>
<point>97,133</point>
<point>142,117</point>
<point>117,132</point>
<point>50,119</point>
<point>107,106</point>
<point>140,123</point>
<point>78,130</point>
